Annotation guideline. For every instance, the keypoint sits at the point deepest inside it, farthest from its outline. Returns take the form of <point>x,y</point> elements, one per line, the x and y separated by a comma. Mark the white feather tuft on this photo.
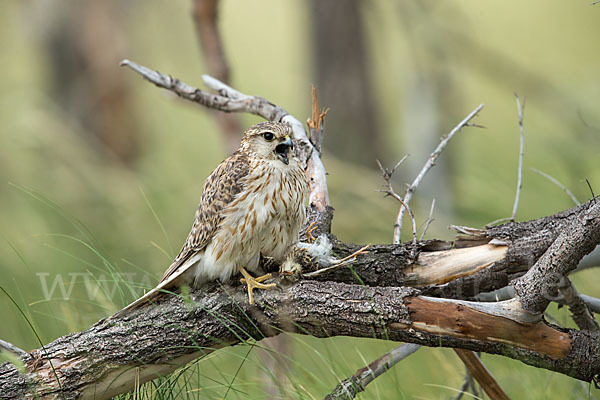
<point>320,250</point>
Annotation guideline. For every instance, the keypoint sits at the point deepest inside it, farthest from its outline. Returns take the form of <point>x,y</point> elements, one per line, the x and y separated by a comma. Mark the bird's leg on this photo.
<point>255,283</point>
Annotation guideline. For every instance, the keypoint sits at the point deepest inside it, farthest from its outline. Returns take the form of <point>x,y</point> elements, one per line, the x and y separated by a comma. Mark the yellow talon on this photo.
<point>255,283</point>
<point>355,254</point>
<point>311,228</point>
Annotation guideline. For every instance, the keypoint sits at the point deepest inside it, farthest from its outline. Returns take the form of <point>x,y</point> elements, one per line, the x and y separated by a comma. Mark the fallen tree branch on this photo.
<point>477,261</point>
<point>103,360</point>
<point>86,363</point>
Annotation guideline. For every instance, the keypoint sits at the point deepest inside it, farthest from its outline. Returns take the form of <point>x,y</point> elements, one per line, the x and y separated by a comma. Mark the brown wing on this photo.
<point>219,190</point>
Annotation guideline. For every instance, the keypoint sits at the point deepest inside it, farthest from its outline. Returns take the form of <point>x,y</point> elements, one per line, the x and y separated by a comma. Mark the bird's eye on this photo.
<point>268,136</point>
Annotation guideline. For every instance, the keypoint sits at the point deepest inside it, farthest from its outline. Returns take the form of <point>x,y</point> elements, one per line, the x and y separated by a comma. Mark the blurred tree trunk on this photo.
<point>205,14</point>
<point>340,61</point>
<point>85,44</point>
<point>431,104</point>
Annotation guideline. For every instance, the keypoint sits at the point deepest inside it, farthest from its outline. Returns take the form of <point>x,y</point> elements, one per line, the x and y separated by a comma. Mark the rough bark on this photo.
<point>539,286</point>
<point>392,265</point>
<point>158,339</point>
<point>580,311</point>
<point>104,360</point>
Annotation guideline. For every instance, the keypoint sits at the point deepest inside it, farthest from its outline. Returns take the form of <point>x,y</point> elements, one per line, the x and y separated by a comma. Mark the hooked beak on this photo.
<point>283,148</point>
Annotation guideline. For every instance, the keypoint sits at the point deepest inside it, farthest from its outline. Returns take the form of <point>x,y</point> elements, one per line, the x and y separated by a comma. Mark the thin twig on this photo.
<point>591,189</point>
<point>497,222</point>
<point>429,220</point>
<point>557,183</point>
<point>520,109</point>
<point>387,176</point>
<point>579,310</point>
<point>430,163</point>
<point>350,387</point>
<point>344,261</point>
<point>5,346</point>
<point>468,382</point>
<point>227,99</point>
<point>463,389</point>
<point>473,384</point>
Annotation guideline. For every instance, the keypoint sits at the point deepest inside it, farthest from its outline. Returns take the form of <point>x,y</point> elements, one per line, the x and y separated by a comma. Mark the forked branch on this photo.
<point>428,165</point>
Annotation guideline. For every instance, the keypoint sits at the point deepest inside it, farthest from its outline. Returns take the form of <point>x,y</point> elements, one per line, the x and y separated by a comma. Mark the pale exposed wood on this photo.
<point>439,267</point>
<point>457,320</point>
<point>511,308</point>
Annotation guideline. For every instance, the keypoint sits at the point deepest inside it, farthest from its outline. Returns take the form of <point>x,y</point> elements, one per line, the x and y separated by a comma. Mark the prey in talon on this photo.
<point>314,258</point>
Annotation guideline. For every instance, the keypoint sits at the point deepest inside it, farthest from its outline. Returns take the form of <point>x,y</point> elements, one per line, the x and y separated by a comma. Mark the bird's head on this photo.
<point>269,141</point>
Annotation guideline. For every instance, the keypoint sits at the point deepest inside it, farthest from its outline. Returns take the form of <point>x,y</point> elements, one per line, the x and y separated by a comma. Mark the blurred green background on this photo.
<point>100,172</point>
